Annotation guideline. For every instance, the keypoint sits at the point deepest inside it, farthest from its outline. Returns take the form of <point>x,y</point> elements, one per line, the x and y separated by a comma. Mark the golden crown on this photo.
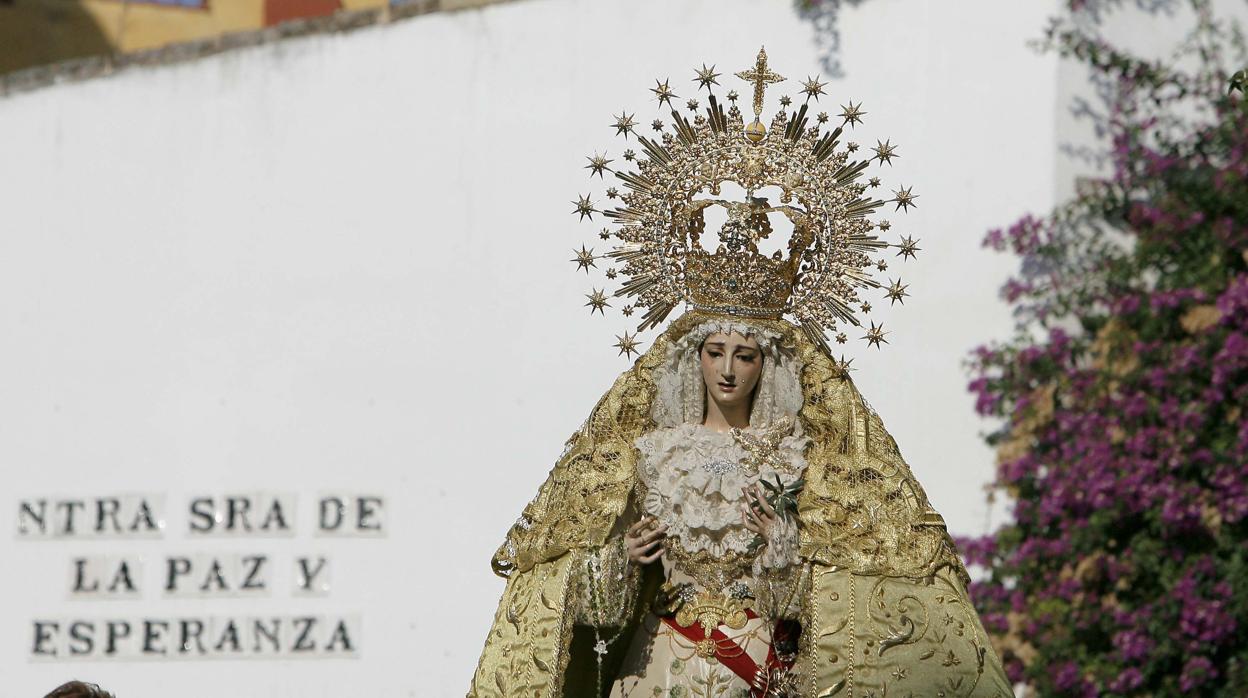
<point>661,225</point>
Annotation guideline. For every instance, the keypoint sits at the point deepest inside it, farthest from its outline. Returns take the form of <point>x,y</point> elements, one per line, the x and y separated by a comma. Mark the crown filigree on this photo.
<point>664,252</point>
<point>737,279</point>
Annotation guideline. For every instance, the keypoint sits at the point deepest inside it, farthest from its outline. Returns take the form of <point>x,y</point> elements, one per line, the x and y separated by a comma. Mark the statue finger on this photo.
<point>652,557</point>
<point>655,534</point>
<point>765,518</point>
<point>763,503</point>
<point>755,517</point>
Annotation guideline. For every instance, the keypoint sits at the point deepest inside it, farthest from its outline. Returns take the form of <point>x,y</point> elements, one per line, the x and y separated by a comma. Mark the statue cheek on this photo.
<point>754,376</point>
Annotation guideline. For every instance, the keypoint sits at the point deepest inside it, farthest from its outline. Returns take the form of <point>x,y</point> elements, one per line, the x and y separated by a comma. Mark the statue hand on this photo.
<point>644,540</point>
<point>757,512</point>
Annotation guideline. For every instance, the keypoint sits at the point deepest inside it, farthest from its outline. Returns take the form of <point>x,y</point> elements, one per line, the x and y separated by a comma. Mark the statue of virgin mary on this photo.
<point>733,519</point>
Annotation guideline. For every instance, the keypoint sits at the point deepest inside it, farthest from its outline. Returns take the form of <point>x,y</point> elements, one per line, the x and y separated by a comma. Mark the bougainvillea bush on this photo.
<point>1123,398</point>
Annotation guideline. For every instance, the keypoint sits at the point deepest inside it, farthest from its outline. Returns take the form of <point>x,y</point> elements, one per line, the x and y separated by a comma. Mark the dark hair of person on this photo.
<point>78,689</point>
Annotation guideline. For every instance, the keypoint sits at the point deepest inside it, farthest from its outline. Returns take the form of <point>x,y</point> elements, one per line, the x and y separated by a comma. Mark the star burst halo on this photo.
<point>657,187</point>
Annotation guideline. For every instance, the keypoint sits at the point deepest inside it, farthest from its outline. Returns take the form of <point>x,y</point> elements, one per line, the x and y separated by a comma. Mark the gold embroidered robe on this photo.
<point>887,610</point>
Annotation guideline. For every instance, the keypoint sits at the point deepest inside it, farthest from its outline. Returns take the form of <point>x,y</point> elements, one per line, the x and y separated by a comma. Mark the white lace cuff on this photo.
<point>781,548</point>
<point>780,577</point>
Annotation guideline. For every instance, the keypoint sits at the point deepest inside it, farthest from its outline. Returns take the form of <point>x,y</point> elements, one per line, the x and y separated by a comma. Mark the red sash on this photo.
<point>734,657</point>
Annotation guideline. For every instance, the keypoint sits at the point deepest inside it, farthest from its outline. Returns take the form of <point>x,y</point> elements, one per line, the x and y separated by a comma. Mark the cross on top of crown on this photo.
<point>761,76</point>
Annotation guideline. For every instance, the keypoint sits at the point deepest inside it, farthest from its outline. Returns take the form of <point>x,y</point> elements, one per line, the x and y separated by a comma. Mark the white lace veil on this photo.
<point>681,392</point>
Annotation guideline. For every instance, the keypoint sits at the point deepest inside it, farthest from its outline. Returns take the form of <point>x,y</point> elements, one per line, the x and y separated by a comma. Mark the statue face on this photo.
<point>731,365</point>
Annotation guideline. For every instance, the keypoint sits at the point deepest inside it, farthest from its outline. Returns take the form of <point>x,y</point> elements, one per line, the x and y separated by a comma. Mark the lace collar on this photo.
<point>693,477</point>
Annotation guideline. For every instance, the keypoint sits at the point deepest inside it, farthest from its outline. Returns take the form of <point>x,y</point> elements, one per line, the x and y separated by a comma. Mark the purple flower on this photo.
<point>1134,473</point>
<point>1127,680</point>
<point>1066,676</point>
<point>1133,645</point>
<point>1013,289</point>
<point>1196,672</point>
<point>1125,305</point>
<point>1233,303</point>
<point>1205,622</point>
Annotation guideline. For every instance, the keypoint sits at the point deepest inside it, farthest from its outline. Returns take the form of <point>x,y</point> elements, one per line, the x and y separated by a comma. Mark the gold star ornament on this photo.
<point>624,124</point>
<point>597,164</point>
<point>908,247</point>
<point>584,259</point>
<point>664,92</point>
<point>842,366</point>
<point>597,301</point>
<point>875,335</point>
<point>811,87</point>
<point>905,199</point>
<point>896,291</point>
<point>885,152</point>
<point>585,207</point>
<point>706,77</point>
<point>852,114</point>
<point>627,344</point>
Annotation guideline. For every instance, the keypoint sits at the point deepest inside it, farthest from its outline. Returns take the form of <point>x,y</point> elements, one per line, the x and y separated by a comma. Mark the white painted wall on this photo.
<point>339,263</point>
<point>1156,34</point>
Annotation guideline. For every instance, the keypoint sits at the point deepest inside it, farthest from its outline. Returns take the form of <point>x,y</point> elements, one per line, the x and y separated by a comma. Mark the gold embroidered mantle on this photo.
<point>887,576</point>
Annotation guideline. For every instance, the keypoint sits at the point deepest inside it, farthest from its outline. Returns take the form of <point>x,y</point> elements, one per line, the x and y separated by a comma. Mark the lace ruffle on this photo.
<point>693,477</point>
